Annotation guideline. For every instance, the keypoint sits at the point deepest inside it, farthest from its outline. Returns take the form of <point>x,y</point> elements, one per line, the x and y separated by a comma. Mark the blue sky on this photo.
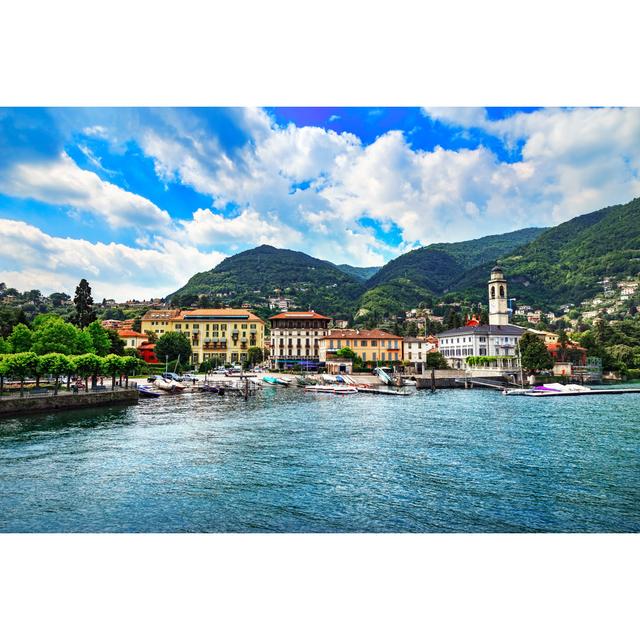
<point>139,199</point>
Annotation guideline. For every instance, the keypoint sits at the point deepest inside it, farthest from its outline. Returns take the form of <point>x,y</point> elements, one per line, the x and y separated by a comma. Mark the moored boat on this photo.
<point>335,389</point>
<point>147,391</point>
<point>275,381</point>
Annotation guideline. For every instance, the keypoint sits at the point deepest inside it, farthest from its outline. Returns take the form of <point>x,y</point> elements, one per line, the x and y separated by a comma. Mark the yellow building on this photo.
<point>222,334</point>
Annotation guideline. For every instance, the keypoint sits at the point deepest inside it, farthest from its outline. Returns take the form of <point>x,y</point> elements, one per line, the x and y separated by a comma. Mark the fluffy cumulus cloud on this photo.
<point>61,182</point>
<point>323,183</point>
<point>301,187</point>
<point>31,258</point>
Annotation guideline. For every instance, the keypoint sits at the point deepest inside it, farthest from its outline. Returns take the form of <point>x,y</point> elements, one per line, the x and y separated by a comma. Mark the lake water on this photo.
<point>451,461</point>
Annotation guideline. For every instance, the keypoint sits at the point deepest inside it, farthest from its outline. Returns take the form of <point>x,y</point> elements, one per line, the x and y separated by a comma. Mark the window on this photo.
<point>501,291</point>
<point>363,343</point>
<point>493,292</point>
<point>374,343</point>
<point>364,357</point>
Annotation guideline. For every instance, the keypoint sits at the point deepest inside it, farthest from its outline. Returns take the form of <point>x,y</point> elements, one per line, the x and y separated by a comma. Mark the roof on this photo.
<point>485,330</point>
<point>130,333</point>
<point>219,314</point>
<point>299,315</point>
<point>421,339</point>
<point>147,345</point>
<point>364,334</point>
<point>160,314</point>
<point>497,269</point>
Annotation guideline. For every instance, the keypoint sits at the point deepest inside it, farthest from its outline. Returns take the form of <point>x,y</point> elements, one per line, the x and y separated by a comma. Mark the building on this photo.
<point>295,338</point>
<point>225,335</point>
<point>373,346</point>
<point>147,351</point>
<point>159,320</point>
<point>498,339</point>
<point>415,350</point>
<point>534,317</point>
<point>132,339</point>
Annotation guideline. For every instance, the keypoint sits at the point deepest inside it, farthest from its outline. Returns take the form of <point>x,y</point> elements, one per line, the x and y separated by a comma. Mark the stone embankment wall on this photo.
<point>65,401</point>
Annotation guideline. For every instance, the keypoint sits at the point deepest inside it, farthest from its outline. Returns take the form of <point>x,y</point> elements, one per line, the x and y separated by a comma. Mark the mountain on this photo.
<point>428,271</point>
<point>567,263</point>
<point>254,275</point>
<point>362,273</point>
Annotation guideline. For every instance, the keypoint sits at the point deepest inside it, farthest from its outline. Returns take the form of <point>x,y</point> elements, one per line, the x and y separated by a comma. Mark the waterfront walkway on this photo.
<point>44,400</point>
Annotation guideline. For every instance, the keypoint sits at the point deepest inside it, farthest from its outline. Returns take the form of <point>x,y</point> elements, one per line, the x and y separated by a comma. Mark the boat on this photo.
<point>555,390</point>
<point>275,381</point>
<point>147,391</point>
<point>210,388</point>
<point>339,390</point>
<point>170,387</point>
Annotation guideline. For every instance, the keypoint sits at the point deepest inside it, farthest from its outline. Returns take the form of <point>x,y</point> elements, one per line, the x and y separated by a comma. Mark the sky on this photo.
<point>137,200</point>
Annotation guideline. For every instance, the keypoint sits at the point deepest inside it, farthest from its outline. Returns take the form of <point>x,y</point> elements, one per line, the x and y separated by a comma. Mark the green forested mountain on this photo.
<point>567,263</point>
<point>545,268</point>
<point>362,273</point>
<point>422,273</point>
<point>253,276</point>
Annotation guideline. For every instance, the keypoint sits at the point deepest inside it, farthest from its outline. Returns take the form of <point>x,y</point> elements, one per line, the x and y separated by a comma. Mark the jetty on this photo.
<point>13,404</point>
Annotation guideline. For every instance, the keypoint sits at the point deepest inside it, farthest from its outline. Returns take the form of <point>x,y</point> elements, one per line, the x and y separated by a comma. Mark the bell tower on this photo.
<point>498,307</point>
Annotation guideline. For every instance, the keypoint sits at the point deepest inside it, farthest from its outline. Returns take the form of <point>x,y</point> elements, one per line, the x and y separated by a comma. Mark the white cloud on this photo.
<point>208,228</point>
<point>31,258</point>
<point>62,182</point>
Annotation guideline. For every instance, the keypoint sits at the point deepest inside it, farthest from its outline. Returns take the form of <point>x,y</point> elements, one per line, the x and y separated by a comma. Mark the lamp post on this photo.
<point>166,363</point>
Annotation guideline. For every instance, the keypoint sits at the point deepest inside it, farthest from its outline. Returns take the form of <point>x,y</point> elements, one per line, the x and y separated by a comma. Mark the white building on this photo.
<point>415,351</point>
<point>295,337</point>
<point>498,338</point>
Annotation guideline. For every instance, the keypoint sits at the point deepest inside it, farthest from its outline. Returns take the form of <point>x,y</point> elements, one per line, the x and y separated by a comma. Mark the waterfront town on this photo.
<point>488,348</point>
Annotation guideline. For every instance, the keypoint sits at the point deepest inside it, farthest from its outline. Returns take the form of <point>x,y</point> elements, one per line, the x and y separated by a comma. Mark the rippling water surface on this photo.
<point>452,461</point>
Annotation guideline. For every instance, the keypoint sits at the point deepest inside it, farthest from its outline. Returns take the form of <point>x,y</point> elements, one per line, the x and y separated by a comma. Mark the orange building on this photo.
<point>373,346</point>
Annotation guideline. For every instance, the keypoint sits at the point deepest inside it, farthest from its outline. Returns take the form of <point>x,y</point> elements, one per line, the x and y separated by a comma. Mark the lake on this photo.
<point>286,461</point>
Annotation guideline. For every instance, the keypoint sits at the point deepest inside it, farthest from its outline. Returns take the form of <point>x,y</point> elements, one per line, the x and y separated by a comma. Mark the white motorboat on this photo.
<point>335,389</point>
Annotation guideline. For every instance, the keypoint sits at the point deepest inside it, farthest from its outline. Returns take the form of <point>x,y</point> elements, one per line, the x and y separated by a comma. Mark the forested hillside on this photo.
<point>567,263</point>
<point>253,276</point>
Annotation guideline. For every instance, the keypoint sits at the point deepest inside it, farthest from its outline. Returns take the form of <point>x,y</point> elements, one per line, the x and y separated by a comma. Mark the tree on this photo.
<point>22,365</point>
<point>20,338</point>
<point>112,365</point>
<point>563,341</point>
<point>58,298</point>
<point>54,335</point>
<point>117,343</point>
<point>254,355</point>
<point>435,360</point>
<point>55,364</point>
<point>173,345</point>
<point>152,336</point>
<point>129,365</point>
<point>5,347</point>
<point>88,364</point>
<point>99,338</point>
<point>4,369</point>
<point>534,355</point>
<point>349,354</point>
<point>85,313</point>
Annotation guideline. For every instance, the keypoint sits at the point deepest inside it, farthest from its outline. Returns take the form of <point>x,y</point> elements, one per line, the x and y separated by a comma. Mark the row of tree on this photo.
<point>50,333</point>
<point>27,365</point>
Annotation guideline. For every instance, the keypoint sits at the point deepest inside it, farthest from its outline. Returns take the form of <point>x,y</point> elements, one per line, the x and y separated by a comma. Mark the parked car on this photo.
<point>188,377</point>
<point>220,370</point>
<point>169,375</point>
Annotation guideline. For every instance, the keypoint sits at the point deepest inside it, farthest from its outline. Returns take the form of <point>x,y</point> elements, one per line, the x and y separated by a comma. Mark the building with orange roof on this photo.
<point>225,335</point>
<point>295,337</point>
<point>372,345</point>
<point>133,339</point>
